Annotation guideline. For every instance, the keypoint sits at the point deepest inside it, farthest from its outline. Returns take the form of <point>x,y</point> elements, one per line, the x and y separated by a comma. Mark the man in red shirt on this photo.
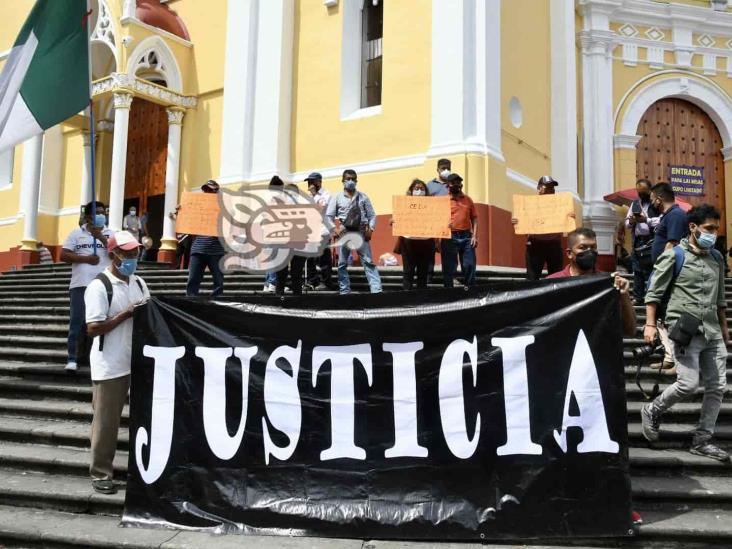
<point>464,227</point>
<point>582,254</point>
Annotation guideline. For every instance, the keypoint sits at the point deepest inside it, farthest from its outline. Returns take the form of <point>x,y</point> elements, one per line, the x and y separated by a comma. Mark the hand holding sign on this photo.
<point>544,214</point>
<point>421,216</point>
<point>199,214</point>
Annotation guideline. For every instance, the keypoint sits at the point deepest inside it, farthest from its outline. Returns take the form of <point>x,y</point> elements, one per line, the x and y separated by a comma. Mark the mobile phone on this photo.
<point>637,209</point>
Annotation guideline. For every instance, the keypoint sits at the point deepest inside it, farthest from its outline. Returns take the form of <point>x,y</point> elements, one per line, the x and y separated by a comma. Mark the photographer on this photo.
<point>642,219</point>
<point>690,280</point>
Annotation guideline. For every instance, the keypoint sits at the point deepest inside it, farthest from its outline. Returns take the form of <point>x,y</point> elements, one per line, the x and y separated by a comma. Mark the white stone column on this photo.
<point>31,185</point>
<point>172,171</point>
<point>564,95</point>
<point>597,46</point>
<point>122,104</point>
<point>86,169</point>
<point>466,78</point>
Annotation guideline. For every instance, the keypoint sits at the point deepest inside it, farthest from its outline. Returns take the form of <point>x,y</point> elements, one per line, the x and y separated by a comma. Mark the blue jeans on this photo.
<point>458,248</point>
<point>640,279</point>
<point>198,265</point>
<point>271,278</point>
<point>77,320</point>
<point>372,273</point>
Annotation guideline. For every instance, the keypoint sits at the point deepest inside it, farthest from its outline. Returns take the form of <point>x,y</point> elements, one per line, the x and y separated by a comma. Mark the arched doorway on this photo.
<point>676,133</point>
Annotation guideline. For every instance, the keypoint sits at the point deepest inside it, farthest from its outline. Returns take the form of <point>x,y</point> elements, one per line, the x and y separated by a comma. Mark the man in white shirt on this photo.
<point>131,223</point>
<point>325,262</point>
<point>110,300</point>
<point>85,248</point>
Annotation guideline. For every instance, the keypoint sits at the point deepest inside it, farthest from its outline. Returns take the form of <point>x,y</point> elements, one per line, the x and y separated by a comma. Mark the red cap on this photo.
<point>123,240</point>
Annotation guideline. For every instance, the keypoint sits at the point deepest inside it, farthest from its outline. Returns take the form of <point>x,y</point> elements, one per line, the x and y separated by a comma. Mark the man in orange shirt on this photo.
<point>464,227</point>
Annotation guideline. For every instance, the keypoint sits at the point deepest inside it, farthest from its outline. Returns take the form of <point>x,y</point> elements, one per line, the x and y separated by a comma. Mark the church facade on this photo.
<point>596,93</point>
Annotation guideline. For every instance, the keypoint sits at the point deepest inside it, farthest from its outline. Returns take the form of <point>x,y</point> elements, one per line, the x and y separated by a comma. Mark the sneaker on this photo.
<point>710,450</point>
<point>71,366</point>
<point>308,287</point>
<point>268,288</point>
<point>636,518</point>
<point>650,422</point>
<point>104,486</point>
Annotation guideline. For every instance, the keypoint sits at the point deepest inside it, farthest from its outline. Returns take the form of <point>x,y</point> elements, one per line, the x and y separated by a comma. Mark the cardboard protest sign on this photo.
<point>544,214</point>
<point>199,214</point>
<point>421,216</point>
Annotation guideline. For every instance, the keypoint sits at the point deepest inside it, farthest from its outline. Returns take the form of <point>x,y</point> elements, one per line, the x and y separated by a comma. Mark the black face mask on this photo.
<point>644,197</point>
<point>586,260</point>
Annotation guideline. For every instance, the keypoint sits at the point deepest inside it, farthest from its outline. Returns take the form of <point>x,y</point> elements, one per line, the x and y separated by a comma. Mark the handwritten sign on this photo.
<point>199,214</point>
<point>687,180</point>
<point>421,216</point>
<point>544,214</point>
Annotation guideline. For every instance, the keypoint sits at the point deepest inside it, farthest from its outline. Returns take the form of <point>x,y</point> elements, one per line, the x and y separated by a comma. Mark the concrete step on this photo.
<point>73,494</point>
<point>52,409</point>
<point>49,458</point>
<point>684,411</point>
<point>31,317</point>
<point>51,431</point>
<point>672,462</point>
<point>677,434</point>
<point>43,371</point>
<point>34,341</point>
<point>23,328</point>
<point>696,489</point>
<point>682,523</point>
<point>29,354</point>
<point>76,388</point>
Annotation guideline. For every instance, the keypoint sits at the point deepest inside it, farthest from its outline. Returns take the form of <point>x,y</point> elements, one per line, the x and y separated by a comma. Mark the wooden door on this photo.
<point>678,133</point>
<point>147,152</point>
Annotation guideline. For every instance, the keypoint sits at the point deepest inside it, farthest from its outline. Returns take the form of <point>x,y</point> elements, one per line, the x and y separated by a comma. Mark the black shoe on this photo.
<point>650,422</point>
<point>104,486</point>
<point>710,450</point>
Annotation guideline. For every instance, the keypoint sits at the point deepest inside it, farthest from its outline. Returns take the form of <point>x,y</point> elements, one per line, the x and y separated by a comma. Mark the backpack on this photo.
<point>352,222</point>
<point>679,258</point>
<point>110,292</point>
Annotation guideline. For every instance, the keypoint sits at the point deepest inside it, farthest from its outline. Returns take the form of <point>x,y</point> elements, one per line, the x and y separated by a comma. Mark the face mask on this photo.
<point>133,212</point>
<point>127,266</point>
<point>444,174</point>
<point>705,240</point>
<point>99,220</point>
<point>645,197</point>
<point>418,192</point>
<point>586,260</point>
<point>349,185</point>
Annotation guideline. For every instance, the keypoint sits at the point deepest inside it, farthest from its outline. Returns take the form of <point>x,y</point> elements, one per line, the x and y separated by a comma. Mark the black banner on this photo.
<point>475,414</point>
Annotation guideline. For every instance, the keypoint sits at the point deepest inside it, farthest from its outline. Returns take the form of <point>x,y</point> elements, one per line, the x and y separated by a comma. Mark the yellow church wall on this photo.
<point>10,198</point>
<point>526,75</point>
<point>201,141</point>
<point>319,137</point>
<point>73,160</point>
<point>14,15</point>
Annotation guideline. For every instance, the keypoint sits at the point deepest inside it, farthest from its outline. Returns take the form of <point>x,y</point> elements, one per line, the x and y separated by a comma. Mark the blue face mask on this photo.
<point>706,240</point>
<point>349,185</point>
<point>100,220</point>
<point>127,267</point>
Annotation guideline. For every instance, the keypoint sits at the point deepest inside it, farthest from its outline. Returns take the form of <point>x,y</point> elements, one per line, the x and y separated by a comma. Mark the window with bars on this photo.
<point>372,23</point>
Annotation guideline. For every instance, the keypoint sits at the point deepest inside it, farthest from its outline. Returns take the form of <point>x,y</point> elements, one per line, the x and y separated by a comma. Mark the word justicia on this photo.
<point>283,404</point>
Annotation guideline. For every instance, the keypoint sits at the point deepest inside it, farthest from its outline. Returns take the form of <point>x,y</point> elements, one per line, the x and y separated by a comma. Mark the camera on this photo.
<point>644,351</point>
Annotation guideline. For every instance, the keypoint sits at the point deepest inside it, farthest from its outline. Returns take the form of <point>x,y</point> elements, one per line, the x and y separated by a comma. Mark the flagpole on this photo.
<point>92,129</point>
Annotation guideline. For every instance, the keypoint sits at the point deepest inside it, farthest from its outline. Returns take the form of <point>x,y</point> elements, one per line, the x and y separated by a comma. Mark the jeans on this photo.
<point>271,278</point>
<point>372,273</point>
<point>458,248</point>
<point>640,279</point>
<point>701,359</point>
<point>539,253</point>
<point>77,321</point>
<point>198,265</point>
<point>295,269</point>
<point>325,263</point>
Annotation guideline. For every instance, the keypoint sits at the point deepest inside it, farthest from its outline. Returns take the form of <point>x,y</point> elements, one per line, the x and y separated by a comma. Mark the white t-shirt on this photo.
<point>116,356</point>
<point>80,241</point>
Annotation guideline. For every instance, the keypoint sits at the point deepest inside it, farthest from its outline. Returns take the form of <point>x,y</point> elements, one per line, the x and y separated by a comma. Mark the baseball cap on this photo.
<point>123,240</point>
<point>314,175</point>
<point>454,177</point>
<point>547,180</point>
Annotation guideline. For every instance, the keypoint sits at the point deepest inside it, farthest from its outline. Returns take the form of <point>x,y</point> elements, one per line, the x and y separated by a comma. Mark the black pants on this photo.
<point>325,263</point>
<point>295,270</point>
<point>540,253</point>
<point>417,256</point>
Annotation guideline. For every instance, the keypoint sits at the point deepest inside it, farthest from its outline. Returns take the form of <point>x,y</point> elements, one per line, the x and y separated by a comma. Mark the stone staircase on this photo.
<point>46,499</point>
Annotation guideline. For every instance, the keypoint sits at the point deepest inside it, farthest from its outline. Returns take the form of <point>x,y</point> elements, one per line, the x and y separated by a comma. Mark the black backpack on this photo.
<point>110,292</point>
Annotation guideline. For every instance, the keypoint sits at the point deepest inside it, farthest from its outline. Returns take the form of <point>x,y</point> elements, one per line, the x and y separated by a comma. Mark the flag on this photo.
<point>46,77</point>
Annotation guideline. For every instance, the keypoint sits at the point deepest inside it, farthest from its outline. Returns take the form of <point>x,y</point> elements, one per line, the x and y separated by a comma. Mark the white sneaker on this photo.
<point>71,366</point>
<point>269,288</point>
